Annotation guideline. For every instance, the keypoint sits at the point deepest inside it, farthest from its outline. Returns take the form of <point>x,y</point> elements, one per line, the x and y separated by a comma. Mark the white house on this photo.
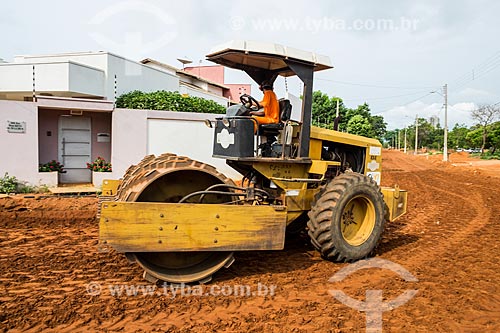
<point>61,107</point>
<point>98,75</point>
<point>73,120</point>
<point>76,131</point>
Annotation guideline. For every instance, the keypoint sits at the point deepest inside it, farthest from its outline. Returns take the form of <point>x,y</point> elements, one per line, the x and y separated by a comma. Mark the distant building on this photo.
<point>217,74</point>
<point>434,121</point>
<point>193,85</point>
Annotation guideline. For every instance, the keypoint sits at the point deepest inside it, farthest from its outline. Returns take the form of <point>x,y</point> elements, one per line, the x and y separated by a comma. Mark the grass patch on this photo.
<point>10,184</point>
<point>490,156</point>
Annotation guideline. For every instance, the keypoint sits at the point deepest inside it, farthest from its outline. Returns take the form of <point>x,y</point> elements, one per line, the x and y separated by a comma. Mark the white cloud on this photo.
<point>450,39</point>
<point>401,116</point>
<point>471,93</point>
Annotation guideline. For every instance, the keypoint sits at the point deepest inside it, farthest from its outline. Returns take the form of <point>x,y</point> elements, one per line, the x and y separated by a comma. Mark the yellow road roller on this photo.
<point>182,220</point>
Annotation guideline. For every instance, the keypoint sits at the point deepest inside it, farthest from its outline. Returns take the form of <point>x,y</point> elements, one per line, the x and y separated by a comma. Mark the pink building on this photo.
<point>216,74</point>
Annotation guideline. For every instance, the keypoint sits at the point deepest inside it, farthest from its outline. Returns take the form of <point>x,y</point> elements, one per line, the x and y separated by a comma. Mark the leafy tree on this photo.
<point>324,109</point>
<point>361,126</point>
<point>362,110</point>
<point>485,115</point>
<point>460,136</point>
<point>424,130</point>
<point>474,136</point>
<point>457,136</point>
<point>495,137</point>
<point>389,138</point>
<point>321,108</point>
<point>379,126</point>
<point>435,139</point>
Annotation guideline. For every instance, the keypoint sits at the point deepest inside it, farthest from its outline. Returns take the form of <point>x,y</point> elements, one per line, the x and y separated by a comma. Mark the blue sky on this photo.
<point>391,54</point>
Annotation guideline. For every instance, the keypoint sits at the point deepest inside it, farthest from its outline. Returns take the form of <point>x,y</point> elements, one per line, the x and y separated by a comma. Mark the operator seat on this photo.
<point>272,130</point>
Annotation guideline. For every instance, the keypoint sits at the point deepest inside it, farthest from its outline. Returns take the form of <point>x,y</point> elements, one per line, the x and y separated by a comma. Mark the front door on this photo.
<point>75,149</point>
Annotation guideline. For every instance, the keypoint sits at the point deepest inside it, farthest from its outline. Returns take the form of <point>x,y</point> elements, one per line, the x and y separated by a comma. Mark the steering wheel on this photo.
<point>250,102</point>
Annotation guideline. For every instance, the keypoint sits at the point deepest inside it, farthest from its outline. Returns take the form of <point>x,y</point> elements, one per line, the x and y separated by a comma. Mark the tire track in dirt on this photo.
<point>451,268</point>
<point>49,255</point>
<point>460,225</point>
<point>462,221</point>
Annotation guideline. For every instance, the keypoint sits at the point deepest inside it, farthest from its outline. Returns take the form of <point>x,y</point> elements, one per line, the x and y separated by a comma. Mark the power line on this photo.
<point>478,71</point>
<point>373,85</point>
<point>486,62</point>
<point>482,69</point>
<point>414,100</point>
<point>380,98</point>
<point>478,67</point>
<point>476,75</point>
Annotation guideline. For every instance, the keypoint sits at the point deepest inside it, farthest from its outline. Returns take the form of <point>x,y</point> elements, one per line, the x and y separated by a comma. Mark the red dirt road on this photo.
<point>448,241</point>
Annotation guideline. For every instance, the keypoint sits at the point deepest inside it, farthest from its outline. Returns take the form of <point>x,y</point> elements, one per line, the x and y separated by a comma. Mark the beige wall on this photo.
<point>129,142</point>
<point>19,151</point>
<point>135,134</point>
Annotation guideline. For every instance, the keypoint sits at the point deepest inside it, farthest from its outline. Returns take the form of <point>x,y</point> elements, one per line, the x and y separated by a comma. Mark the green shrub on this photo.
<point>99,165</point>
<point>51,166</point>
<point>24,188</point>
<point>8,184</point>
<point>489,156</point>
<point>168,101</point>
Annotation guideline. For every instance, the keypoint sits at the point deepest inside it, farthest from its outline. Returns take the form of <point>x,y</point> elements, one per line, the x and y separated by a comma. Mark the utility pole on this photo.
<point>399,140</point>
<point>405,141</point>
<point>445,139</point>
<point>445,146</point>
<point>416,134</point>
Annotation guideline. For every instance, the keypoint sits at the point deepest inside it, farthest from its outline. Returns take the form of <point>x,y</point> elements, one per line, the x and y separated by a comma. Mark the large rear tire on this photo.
<point>347,218</point>
<point>168,178</point>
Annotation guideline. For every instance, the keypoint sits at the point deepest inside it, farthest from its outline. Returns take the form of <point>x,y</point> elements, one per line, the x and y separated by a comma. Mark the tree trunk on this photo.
<point>484,140</point>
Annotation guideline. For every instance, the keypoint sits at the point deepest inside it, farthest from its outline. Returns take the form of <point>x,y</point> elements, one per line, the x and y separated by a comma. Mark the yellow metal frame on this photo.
<point>110,187</point>
<point>171,227</point>
<point>320,167</point>
<point>358,219</point>
<point>396,201</point>
<point>280,172</point>
<point>323,134</point>
<point>373,161</point>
